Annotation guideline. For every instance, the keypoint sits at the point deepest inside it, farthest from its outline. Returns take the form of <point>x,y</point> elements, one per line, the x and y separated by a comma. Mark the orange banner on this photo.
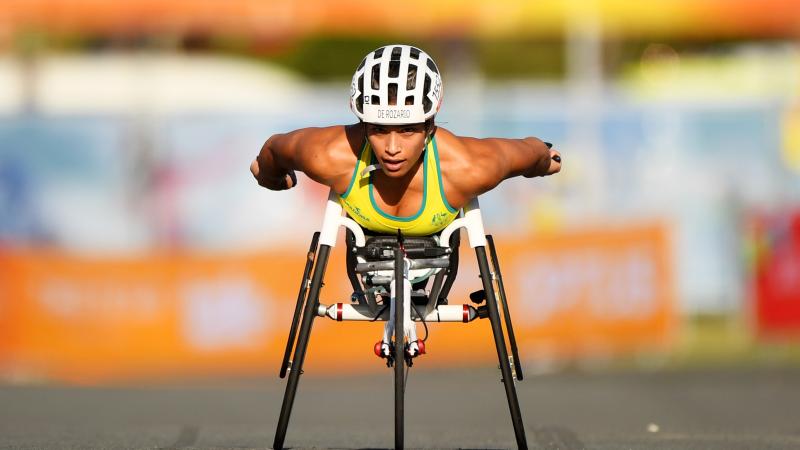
<point>86,320</point>
<point>592,294</point>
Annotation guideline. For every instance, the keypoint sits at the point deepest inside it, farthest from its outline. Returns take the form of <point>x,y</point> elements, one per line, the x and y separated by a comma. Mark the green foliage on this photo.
<point>327,58</point>
<point>515,59</point>
<point>334,58</point>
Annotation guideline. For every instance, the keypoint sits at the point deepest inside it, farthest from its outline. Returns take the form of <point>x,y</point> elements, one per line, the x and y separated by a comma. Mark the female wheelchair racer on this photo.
<point>403,188</point>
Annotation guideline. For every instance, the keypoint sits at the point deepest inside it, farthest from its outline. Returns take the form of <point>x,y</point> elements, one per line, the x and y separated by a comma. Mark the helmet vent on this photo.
<point>392,88</point>
<point>427,104</point>
<point>394,69</point>
<point>414,53</point>
<point>411,79</point>
<point>376,74</point>
<point>432,66</point>
<point>360,99</point>
<point>396,53</point>
<point>378,53</point>
<point>410,100</point>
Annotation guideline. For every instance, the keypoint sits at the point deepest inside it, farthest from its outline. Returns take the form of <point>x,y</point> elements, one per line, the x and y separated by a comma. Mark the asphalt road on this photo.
<point>717,409</point>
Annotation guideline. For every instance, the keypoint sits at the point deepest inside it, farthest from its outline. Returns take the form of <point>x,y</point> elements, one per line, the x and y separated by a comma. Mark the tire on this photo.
<point>399,351</point>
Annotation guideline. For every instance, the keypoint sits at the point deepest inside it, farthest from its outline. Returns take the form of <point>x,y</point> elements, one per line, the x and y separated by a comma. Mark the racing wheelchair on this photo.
<point>389,276</point>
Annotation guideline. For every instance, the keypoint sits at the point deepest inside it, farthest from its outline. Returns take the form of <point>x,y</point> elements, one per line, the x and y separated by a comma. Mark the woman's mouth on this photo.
<point>393,165</point>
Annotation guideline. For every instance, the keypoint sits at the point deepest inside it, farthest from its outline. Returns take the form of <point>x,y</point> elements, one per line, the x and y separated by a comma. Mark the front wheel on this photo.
<point>399,349</point>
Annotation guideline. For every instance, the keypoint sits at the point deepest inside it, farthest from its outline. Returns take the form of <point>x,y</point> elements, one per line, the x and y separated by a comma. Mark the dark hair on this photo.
<point>430,127</point>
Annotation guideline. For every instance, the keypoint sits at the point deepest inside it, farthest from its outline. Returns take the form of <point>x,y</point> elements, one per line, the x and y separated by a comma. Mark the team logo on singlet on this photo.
<point>439,219</point>
<point>356,211</point>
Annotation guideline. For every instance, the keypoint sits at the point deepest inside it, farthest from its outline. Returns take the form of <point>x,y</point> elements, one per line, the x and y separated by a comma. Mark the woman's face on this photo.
<point>397,147</point>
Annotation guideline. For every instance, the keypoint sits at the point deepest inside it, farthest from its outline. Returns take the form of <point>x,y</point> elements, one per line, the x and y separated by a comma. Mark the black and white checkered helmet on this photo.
<point>396,84</point>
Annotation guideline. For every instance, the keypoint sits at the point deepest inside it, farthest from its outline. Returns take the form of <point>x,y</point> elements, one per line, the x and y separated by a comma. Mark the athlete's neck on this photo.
<point>392,189</point>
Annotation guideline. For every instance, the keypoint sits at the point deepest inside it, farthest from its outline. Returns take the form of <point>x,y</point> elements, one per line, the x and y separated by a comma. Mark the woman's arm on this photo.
<point>493,160</point>
<point>323,154</point>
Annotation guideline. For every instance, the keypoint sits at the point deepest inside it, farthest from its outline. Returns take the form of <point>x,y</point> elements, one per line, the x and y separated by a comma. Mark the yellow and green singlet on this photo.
<point>434,213</point>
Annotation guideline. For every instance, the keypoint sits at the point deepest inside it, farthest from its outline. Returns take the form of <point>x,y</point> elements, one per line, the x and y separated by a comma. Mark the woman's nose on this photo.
<point>393,144</point>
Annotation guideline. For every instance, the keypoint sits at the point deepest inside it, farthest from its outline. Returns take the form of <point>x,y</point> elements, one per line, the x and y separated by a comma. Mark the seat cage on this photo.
<point>377,248</point>
<point>365,246</point>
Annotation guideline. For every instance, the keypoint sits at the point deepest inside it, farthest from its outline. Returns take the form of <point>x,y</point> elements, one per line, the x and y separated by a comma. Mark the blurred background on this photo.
<point>135,245</point>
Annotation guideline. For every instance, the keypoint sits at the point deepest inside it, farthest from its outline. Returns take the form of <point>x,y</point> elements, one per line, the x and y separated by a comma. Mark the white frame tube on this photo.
<point>472,221</point>
<point>333,219</point>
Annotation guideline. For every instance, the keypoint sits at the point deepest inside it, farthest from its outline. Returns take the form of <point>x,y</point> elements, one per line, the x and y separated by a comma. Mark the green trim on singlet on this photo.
<point>355,171</point>
<point>424,193</point>
<point>439,174</point>
<point>433,216</point>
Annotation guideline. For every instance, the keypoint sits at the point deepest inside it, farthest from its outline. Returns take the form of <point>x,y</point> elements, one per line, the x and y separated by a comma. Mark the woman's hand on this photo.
<point>555,162</point>
<point>273,183</point>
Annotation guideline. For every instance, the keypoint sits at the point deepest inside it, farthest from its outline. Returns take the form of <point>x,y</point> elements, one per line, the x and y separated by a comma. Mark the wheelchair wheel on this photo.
<point>399,350</point>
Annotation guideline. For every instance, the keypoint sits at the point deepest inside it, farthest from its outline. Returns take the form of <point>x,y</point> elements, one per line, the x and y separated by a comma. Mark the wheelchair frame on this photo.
<point>364,304</point>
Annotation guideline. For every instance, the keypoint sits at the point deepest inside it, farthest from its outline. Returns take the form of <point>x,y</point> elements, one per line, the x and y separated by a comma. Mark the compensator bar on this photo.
<point>442,313</point>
